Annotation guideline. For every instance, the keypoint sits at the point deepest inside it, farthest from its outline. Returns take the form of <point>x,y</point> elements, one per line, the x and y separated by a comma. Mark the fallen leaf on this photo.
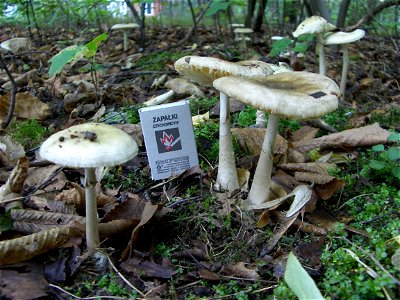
<point>208,275</point>
<point>23,282</point>
<point>26,107</point>
<point>184,87</point>
<point>10,151</point>
<point>358,137</point>
<point>251,139</point>
<point>146,268</point>
<point>240,270</point>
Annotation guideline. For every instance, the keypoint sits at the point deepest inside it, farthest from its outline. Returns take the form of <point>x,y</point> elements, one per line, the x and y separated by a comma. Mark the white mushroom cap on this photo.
<point>89,145</point>
<point>243,30</point>
<point>296,95</point>
<point>204,70</point>
<point>341,37</point>
<point>16,45</point>
<point>124,26</point>
<point>313,25</point>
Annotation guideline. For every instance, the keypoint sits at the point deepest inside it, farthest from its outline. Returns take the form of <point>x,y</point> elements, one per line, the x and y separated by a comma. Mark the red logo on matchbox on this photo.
<point>168,140</point>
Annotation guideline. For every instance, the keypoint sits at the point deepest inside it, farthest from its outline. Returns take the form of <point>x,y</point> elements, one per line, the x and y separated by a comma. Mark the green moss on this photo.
<point>28,133</point>
<point>157,61</point>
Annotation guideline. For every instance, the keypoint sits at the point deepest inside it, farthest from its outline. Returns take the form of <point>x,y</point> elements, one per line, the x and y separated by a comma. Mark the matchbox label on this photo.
<point>169,139</point>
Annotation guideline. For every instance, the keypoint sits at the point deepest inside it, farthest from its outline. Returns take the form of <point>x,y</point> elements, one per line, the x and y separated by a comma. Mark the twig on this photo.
<point>124,279</point>
<point>13,93</point>
<point>179,202</point>
<point>85,298</point>
<point>249,291</point>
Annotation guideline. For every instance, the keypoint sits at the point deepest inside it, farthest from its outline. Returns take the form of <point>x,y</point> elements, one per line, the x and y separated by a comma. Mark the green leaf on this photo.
<point>299,281</point>
<point>279,46</point>
<point>65,56</point>
<point>301,48</point>
<point>393,153</point>
<point>216,7</point>
<point>396,173</point>
<point>94,44</point>
<point>394,137</point>
<point>377,164</point>
<point>378,148</point>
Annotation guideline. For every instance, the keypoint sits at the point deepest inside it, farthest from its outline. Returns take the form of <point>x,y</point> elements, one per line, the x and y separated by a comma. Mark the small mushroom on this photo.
<point>319,26</point>
<point>125,29</point>
<point>204,70</point>
<point>241,35</point>
<point>89,146</point>
<point>294,95</point>
<point>344,38</point>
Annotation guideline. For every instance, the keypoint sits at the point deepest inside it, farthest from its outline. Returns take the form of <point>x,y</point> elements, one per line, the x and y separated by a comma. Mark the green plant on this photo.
<point>244,118</point>
<point>287,44</point>
<point>158,61</point>
<point>109,282</point>
<point>28,133</point>
<point>202,105</point>
<point>386,159</point>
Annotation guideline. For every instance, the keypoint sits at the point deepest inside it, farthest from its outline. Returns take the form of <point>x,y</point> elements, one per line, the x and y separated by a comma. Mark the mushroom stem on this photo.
<point>92,230</point>
<point>125,40</point>
<point>227,177</point>
<point>321,54</point>
<point>260,189</point>
<point>345,68</point>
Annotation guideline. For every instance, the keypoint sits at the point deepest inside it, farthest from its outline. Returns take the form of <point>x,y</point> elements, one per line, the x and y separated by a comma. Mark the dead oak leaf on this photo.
<point>240,270</point>
<point>26,107</point>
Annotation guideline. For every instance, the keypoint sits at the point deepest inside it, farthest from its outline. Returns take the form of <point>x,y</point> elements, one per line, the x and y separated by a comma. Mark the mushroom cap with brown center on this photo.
<point>341,37</point>
<point>204,70</point>
<point>89,145</point>
<point>295,95</point>
<point>313,25</point>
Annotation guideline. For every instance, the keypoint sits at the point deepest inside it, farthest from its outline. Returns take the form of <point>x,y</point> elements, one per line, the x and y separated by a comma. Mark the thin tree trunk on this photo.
<point>194,20</point>
<point>28,19</point>
<point>251,5</point>
<point>344,5</point>
<point>34,17</point>
<point>260,15</point>
<point>139,20</point>
<point>320,7</point>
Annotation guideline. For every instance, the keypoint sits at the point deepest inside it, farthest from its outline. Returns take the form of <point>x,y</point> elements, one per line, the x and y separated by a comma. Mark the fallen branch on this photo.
<point>13,93</point>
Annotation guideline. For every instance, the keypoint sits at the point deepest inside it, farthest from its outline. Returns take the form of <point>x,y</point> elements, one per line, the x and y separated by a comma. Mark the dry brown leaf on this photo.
<point>147,213</point>
<point>313,167</point>
<point>10,151</point>
<point>316,178</point>
<point>251,139</point>
<point>40,203</point>
<point>31,221</point>
<point>146,268</point>
<point>24,282</point>
<point>134,130</point>
<point>26,107</point>
<point>357,137</point>
<point>243,178</point>
<point>240,270</point>
<point>208,275</point>
<point>23,79</point>
<point>14,183</point>
<point>51,174</point>
<point>24,248</point>
<point>304,133</point>
<point>326,191</point>
<point>72,196</point>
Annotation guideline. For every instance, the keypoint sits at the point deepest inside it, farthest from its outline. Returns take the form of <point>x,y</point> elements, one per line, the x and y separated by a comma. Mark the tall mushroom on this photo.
<point>319,26</point>
<point>89,146</point>
<point>204,70</point>
<point>344,38</point>
<point>125,29</point>
<point>295,95</point>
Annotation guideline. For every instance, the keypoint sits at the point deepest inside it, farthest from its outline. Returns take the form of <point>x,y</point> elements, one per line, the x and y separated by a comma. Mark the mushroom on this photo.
<point>240,35</point>
<point>125,29</point>
<point>204,70</point>
<point>316,25</point>
<point>344,38</point>
<point>295,95</point>
<point>89,146</point>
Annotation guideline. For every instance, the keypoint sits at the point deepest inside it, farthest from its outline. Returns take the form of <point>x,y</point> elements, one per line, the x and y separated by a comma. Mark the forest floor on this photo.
<point>183,239</point>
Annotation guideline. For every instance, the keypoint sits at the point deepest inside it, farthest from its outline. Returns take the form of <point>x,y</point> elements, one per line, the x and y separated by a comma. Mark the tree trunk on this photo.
<point>319,7</point>
<point>341,20</point>
<point>139,20</point>
<point>260,15</point>
<point>251,5</point>
<point>194,21</point>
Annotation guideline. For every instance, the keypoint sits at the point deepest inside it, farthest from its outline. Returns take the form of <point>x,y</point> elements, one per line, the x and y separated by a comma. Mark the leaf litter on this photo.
<point>157,231</point>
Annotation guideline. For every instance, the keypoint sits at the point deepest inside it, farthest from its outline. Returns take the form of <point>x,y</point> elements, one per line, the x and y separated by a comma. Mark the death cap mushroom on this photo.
<point>89,145</point>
